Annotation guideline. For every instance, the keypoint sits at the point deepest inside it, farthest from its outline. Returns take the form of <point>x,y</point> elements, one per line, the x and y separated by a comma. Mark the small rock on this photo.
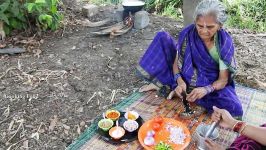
<point>41,130</point>
<point>66,127</point>
<point>249,77</point>
<point>119,13</point>
<point>80,110</point>
<point>29,126</point>
<point>64,120</point>
<point>12,51</point>
<point>90,10</point>
<point>74,47</point>
<point>66,132</point>
<point>82,123</point>
<point>141,19</point>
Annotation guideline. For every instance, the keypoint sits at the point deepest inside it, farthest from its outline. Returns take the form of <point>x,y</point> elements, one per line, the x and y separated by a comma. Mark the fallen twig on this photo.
<point>109,29</point>
<point>9,69</point>
<point>94,94</point>
<point>108,63</point>
<point>9,148</point>
<point>120,32</point>
<point>6,112</point>
<point>20,125</point>
<point>113,96</point>
<point>88,23</point>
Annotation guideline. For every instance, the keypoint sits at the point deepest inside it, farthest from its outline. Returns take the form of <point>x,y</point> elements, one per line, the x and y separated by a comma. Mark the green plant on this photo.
<point>160,5</point>
<point>12,14</point>
<point>45,13</point>
<point>172,12</point>
<point>170,8</point>
<point>163,146</point>
<point>20,14</point>
<point>246,14</point>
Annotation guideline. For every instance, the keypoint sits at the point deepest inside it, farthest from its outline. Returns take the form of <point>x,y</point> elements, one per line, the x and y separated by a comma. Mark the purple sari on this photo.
<point>195,63</point>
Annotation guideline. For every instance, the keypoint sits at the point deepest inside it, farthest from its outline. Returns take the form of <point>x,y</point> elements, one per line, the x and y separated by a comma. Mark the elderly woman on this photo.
<point>201,60</point>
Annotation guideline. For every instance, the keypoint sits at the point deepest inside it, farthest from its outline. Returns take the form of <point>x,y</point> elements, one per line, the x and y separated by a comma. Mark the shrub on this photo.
<point>13,15</point>
<point>247,14</point>
<point>20,14</point>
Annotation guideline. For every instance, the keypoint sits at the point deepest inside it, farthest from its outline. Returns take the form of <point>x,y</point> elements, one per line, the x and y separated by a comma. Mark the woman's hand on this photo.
<point>212,145</point>
<point>182,87</point>
<point>222,115</point>
<point>196,93</point>
<point>178,91</point>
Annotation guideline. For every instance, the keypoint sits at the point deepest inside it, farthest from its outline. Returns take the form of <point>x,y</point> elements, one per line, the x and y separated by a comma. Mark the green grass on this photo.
<point>172,12</point>
<point>246,14</point>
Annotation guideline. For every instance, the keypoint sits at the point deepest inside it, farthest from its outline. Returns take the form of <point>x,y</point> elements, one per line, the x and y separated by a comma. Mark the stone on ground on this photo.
<point>12,51</point>
<point>90,10</point>
<point>119,12</point>
<point>141,19</point>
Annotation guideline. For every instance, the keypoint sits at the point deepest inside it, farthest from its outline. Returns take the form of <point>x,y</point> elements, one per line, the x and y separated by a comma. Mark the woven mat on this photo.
<point>148,105</point>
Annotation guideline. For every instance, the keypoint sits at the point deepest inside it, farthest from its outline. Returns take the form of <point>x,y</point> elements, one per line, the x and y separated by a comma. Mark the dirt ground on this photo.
<point>47,101</point>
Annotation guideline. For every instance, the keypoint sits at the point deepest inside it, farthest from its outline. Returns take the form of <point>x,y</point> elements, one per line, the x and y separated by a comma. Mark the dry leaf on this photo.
<point>35,135</point>
<point>7,112</point>
<point>41,131</point>
<point>66,132</point>
<point>26,144</point>
<point>42,41</point>
<point>53,123</point>
<point>37,52</point>
<point>10,125</point>
<point>261,84</point>
<point>66,127</point>
<point>2,45</point>
<point>82,123</point>
<point>78,130</point>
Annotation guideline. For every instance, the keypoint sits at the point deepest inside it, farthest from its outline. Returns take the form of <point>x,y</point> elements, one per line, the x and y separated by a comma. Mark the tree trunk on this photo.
<point>189,7</point>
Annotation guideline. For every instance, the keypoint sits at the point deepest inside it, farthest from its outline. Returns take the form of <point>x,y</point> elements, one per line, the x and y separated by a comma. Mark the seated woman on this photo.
<point>252,138</point>
<point>201,60</point>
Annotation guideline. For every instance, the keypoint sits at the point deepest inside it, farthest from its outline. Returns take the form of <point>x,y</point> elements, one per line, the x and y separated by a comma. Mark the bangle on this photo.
<point>238,126</point>
<point>177,76</point>
<point>242,129</point>
<point>209,88</point>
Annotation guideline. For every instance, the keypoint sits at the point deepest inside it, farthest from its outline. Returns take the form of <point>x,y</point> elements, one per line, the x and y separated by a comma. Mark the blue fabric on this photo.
<point>159,58</point>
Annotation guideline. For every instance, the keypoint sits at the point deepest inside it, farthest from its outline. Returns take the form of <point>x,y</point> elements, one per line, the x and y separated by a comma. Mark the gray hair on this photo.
<point>211,7</point>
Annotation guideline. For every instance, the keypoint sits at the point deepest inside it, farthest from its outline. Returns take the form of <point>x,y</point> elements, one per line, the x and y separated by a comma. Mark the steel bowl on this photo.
<point>133,5</point>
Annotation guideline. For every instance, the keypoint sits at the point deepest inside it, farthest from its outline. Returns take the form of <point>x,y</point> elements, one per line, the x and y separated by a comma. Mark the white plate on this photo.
<point>133,3</point>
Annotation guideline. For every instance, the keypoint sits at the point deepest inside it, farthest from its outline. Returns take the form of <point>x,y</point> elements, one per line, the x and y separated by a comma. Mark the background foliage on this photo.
<point>21,14</point>
<point>243,14</point>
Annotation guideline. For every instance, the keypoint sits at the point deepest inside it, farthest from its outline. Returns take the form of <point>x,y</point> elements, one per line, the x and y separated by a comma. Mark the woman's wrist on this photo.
<point>180,82</point>
<point>232,123</point>
<point>239,126</point>
<point>177,76</point>
<point>209,88</point>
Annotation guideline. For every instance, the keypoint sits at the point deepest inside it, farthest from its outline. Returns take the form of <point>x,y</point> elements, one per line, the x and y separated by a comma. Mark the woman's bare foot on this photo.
<point>148,87</point>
